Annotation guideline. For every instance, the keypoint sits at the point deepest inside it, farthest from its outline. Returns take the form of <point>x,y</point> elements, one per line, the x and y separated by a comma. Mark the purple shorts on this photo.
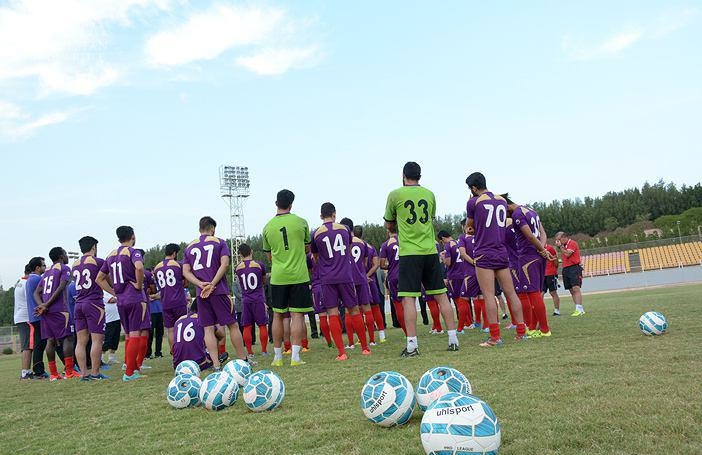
<point>376,299</point>
<point>90,315</point>
<point>514,273</point>
<point>454,288</point>
<point>492,262</point>
<point>317,299</point>
<point>134,316</point>
<point>363,294</point>
<point>171,315</point>
<point>216,309</point>
<point>253,312</point>
<point>392,287</point>
<point>470,288</point>
<point>340,293</point>
<point>56,325</point>
<point>531,274</point>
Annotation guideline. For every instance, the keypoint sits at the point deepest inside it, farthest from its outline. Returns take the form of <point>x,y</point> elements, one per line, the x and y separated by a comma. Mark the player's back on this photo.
<point>467,242</point>
<point>414,207</point>
<point>331,242</point>
<point>456,269</point>
<point>489,214</point>
<point>169,278</point>
<point>524,216</point>
<point>511,244</point>
<point>359,253</point>
<point>204,255</point>
<point>285,237</point>
<point>85,271</point>
<point>51,280</point>
<point>120,265</point>
<point>188,339</point>
<point>390,250</point>
<point>251,277</point>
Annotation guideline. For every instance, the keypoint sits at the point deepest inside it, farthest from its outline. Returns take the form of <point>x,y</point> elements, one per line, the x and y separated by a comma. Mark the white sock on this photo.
<point>277,353</point>
<point>381,334</point>
<point>296,352</point>
<point>453,339</point>
<point>557,311</point>
<point>579,308</point>
<point>412,344</point>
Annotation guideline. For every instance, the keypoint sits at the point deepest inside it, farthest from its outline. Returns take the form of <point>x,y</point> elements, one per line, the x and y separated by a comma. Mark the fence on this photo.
<point>9,338</point>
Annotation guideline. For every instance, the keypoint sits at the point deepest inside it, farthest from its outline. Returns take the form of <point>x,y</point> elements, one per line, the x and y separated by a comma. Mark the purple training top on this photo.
<point>168,274</point>
<point>331,243</point>
<point>85,271</point>
<point>489,215</point>
<point>188,340</point>
<point>390,250</point>
<point>524,216</point>
<point>251,275</point>
<point>456,270</point>
<point>120,264</point>
<point>51,279</point>
<point>204,255</point>
<point>359,255</point>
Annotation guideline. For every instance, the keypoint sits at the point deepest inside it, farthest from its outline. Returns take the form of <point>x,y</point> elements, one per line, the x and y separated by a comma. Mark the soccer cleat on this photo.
<point>223,357</point>
<point>305,350</point>
<point>104,366</point>
<point>99,377</point>
<point>366,352</point>
<point>510,327</point>
<point>486,330</point>
<point>577,313</point>
<point>545,334</point>
<point>295,363</point>
<point>43,375</point>
<point>133,377</point>
<point>372,343</point>
<point>490,343</point>
<point>461,332</point>
<point>124,367</point>
<point>277,363</point>
<point>55,377</point>
<point>342,357</point>
<point>350,346</point>
<point>534,333</point>
<point>71,375</point>
<point>556,313</point>
<point>472,326</point>
<point>250,359</point>
<point>405,353</point>
<point>144,367</point>
<point>86,378</point>
<point>383,340</point>
<point>26,376</point>
<point>504,316</point>
<point>264,353</point>
<point>452,347</point>
<point>522,337</point>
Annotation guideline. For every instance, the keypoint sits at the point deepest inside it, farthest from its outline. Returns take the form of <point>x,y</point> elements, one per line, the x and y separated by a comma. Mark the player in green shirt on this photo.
<point>286,240</point>
<point>413,208</point>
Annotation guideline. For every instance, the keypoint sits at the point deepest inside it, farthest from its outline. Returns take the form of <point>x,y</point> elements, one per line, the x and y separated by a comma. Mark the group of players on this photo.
<point>331,271</point>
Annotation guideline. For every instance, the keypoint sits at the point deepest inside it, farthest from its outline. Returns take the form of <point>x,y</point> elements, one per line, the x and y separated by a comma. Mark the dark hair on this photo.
<point>477,180</point>
<point>193,305</point>
<point>172,248</point>
<point>55,253</point>
<point>35,262</point>
<point>412,170</point>
<point>506,197</point>
<point>358,231</point>
<point>206,223</point>
<point>348,223</point>
<point>87,243</point>
<point>142,252</point>
<point>327,210</point>
<point>124,233</point>
<point>392,228</point>
<point>443,234</point>
<point>27,270</point>
<point>244,250</point>
<point>284,199</point>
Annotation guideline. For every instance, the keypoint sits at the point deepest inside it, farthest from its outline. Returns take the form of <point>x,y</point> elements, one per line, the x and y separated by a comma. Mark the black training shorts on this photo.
<point>550,283</point>
<point>572,276</point>
<point>418,270</point>
<point>296,298</point>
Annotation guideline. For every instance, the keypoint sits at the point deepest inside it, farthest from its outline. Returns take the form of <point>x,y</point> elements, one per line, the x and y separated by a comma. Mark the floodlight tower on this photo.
<point>234,185</point>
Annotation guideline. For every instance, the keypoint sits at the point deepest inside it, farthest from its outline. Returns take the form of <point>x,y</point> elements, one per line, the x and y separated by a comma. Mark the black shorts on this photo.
<point>296,298</point>
<point>550,283</point>
<point>112,333</point>
<point>572,276</point>
<point>418,270</point>
<point>24,336</point>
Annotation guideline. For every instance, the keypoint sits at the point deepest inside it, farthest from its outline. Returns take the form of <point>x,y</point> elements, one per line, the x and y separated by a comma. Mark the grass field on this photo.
<point>598,386</point>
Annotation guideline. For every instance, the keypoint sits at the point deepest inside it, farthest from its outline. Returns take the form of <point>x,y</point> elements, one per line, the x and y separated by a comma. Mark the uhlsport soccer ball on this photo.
<point>457,423</point>
<point>239,370</point>
<point>387,398</point>
<point>188,367</point>
<point>439,381</point>
<point>184,391</point>
<point>653,323</point>
<point>264,391</point>
<point>218,391</point>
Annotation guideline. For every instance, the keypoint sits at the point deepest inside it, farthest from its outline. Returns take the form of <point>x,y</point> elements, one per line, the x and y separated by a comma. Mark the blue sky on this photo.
<point>121,112</point>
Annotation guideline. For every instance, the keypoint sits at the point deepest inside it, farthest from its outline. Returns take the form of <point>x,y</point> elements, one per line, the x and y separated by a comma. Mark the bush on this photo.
<point>7,351</point>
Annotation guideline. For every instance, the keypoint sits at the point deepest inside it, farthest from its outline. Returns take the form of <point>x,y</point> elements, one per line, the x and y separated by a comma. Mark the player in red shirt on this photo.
<point>551,280</point>
<point>572,270</point>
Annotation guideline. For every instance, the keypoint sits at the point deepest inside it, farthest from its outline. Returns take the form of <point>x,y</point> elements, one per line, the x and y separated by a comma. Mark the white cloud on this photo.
<point>672,22</point>
<point>271,61</point>
<point>15,123</point>
<point>206,35</point>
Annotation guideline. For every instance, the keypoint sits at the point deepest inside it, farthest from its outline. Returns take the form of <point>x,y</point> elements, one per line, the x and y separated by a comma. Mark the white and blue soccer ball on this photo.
<point>264,391</point>
<point>653,323</point>
<point>460,424</point>
<point>188,367</point>
<point>218,391</point>
<point>238,369</point>
<point>439,381</point>
<point>184,391</point>
<point>387,398</point>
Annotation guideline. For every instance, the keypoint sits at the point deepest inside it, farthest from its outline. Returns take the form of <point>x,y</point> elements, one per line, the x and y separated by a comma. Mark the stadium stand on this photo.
<point>606,263</point>
<point>655,257</point>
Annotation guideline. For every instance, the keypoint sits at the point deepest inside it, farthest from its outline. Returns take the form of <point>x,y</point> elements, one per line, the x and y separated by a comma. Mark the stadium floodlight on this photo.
<point>234,186</point>
<point>73,255</point>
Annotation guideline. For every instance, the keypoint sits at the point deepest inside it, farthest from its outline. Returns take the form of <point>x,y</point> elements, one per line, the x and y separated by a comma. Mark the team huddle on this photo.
<point>330,271</point>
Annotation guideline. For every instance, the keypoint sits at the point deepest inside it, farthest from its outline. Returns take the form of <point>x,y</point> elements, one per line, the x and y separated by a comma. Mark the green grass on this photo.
<point>597,386</point>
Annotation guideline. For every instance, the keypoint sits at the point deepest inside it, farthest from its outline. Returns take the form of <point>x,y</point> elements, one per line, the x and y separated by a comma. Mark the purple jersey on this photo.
<point>524,216</point>
<point>121,265</point>
<point>456,269</point>
<point>51,279</point>
<point>251,275</point>
<point>359,255</point>
<point>204,255</point>
<point>85,271</point>
<point>188,339</point>
<point>331,243</point>
<point>489,215</point>
<point>390,250</point>
<point>148,282</point>
<point>314,270</point>
<point>512,250</point>
<point>169,278</point>
<point>467,242</point>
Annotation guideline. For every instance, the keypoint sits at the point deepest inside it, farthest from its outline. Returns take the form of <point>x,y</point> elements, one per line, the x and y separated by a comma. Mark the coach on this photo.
<point>572,270</point>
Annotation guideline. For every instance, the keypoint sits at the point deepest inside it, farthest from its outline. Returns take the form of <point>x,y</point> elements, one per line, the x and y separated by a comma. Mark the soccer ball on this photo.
<point>439,381</point>
<point>264,391</point>
<point>184,391</point>
<point>218,391</point>
<point>457,423</point>
<point>653,323</point>
<point>387,398</point>
<point>188,367</point>
<point>239,370</point>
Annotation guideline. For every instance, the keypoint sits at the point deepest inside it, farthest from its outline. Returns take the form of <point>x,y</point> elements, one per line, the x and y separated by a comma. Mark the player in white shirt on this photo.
<point>23,327</point>
<point>112,329</point>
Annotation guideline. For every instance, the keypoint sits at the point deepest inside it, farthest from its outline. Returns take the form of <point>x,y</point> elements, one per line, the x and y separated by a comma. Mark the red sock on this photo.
<point>263,337</point>
<point>521,329</point>
<point>287,345</point>
<point>538,308</point>
<point>526,311</point>
<point>400,313</point>
<point>335,331</point>
<point>68,363</point>
<point>435,315</point>
<point>509,308</point>
<point>142,344</point>
<point>495,331</point>
<point>305,343</point>
<point>360,329</point>
<point>378,317</point>
<point>131,352</point>
<point>126,345</point>
<point>221,348</point>
<point>370,325</point>
<point>349,328</point>
<point>52,368</point>
<point>479,305</point>
<point>247,339</point>
<point>464,318</point>
<point>324,328</point>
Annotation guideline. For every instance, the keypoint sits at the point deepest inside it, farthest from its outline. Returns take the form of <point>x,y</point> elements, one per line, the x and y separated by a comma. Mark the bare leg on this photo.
<point>278,330</point>
<point>410,309</point>
<point>237,341</point>
<point>81,345</point>
<point>486,280</point>
<point>505,278</point>
<point>170,338</point>
<point>556,300</point>
<point>501,301</point>
<point>211,344</point>
<point>27,359</point>
<point>95,352</point>
<point>446,311</point>
<point>577,295</point>
<point>298,329</point>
